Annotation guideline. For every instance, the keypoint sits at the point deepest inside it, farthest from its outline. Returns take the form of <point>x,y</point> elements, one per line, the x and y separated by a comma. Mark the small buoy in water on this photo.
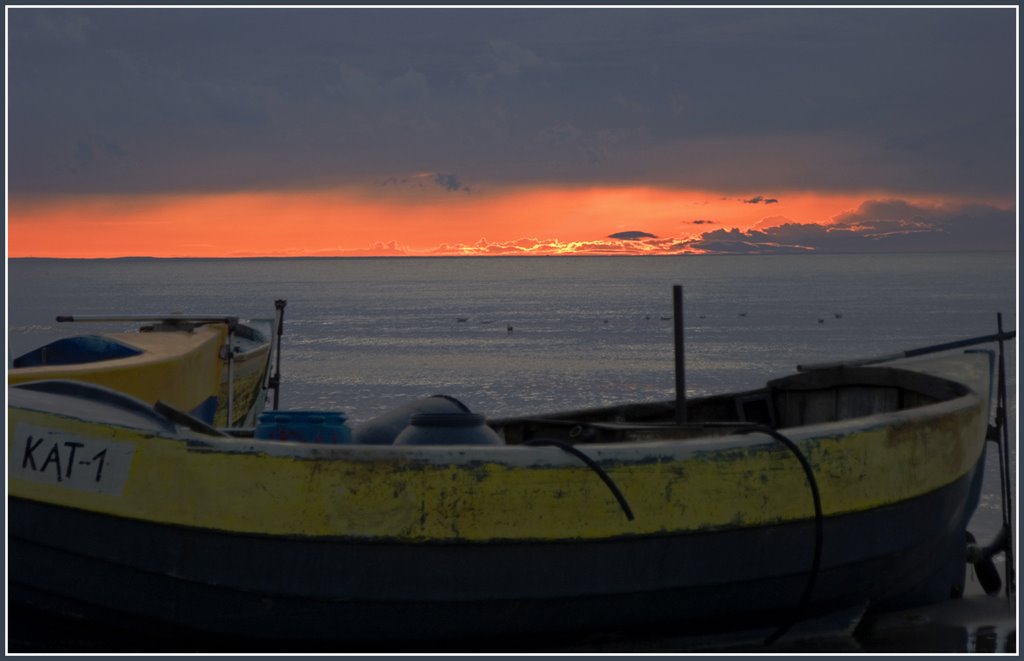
<point>821,321</point>
<point>743,314</point>
<point>839,315</point>
<point>462,320</point>
<point>509,330</point>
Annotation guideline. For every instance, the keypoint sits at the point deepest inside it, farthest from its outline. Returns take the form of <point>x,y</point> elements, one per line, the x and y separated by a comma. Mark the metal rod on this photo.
<point>677,316</point>
<point>279,305</point>
<point>910,353</point>
<point>231,378</point>
<point>1004,464</point>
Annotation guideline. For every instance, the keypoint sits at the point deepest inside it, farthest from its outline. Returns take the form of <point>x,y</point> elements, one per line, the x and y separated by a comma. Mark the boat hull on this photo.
<point>181,368</point>
<point>195,582</point>
<point>116,514</point>
<point>184,368</point>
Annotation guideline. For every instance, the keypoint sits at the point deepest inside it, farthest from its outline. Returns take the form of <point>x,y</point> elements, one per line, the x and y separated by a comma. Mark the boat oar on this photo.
<point>911,353</point>
<point>981,558</point>
<point>179,417</point>
<point>163,318</point>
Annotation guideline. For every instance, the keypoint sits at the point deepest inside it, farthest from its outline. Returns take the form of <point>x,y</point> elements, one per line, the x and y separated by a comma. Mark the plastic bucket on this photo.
<point>304,426</point>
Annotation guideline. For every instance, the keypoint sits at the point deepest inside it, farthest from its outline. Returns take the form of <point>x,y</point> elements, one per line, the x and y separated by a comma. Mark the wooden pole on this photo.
<point>677,317</point>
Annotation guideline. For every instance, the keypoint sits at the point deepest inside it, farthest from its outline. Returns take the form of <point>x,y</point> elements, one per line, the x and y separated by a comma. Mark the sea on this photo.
<point>513,335</point>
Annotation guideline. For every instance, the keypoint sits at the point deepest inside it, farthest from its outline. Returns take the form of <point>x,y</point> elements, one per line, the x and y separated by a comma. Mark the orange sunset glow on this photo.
<point>375,132</point>
<point>339,223</point>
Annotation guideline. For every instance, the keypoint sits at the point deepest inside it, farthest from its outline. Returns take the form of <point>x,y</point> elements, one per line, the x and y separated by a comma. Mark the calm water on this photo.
<point>362,335</point>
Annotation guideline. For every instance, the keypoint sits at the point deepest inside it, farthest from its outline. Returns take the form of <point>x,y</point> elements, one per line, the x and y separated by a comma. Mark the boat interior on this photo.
<point>76,350</point>
<point>814,397</point>
<point>84,349</point>
<point>820,396</point>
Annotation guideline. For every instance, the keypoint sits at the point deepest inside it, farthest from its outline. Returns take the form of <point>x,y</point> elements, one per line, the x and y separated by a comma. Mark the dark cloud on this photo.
<point>878,226</point>
<point>450,182</point>
<point>759,199</point>
<point>632,236</point>
<point>916,100</point>
<point>700,221</point>
<point>752,242</point>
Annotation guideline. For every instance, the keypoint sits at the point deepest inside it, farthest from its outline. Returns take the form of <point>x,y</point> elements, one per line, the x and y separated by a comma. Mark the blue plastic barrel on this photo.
<point>304,426</point>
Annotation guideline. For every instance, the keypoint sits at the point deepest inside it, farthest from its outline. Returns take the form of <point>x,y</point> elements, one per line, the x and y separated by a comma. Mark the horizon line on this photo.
<point>537,255</point>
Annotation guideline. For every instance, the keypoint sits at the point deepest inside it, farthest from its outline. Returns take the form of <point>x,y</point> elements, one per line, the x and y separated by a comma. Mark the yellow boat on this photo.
<point>213,367</point>
<point>838,489</point>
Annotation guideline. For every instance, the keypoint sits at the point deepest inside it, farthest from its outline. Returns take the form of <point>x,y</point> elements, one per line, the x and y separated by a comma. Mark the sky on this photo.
<point>399,131</point>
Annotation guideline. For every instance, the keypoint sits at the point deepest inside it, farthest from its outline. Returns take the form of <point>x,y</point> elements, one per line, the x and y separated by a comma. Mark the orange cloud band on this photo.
<point>382,222</point>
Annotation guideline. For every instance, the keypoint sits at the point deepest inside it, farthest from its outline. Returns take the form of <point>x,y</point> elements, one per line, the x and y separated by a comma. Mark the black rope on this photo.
<point>819,527</point>
<point>566,447</point>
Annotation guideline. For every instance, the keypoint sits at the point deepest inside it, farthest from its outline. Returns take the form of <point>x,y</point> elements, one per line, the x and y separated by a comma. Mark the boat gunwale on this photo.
<point>624,452</point>
<point>371,471</point>
<point>153,353</point>
<point>523,455</point>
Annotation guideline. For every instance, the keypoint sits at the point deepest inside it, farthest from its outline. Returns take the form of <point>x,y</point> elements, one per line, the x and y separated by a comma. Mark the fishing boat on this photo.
<point>213,367</point>
<point>840,488</point>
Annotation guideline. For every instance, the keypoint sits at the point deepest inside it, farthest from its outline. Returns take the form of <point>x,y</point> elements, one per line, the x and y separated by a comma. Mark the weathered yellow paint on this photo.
<point>182,368</point>
<point>522,493</point>
<point>246,383</point>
